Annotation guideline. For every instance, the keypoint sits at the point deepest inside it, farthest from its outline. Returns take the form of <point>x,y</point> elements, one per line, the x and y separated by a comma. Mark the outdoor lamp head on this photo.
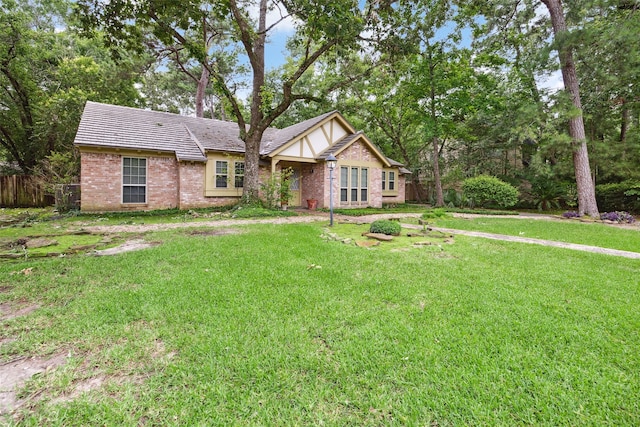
<point>331,161</point>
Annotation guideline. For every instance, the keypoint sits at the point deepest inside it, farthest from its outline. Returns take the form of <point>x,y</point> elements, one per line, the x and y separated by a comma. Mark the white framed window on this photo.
<point>389,182</point>
<point>344,184</point>
<point>354,184</point>
<point>364,185</point>
<point>238,174</point>
<point>134,180</point>
<point>222,174</point>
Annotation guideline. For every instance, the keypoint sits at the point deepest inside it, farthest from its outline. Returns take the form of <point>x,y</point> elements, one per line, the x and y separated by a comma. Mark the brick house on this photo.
<point>134,159</point>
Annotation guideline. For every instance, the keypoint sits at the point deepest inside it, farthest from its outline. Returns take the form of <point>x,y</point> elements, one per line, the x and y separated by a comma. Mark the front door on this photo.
<point>295,187</point>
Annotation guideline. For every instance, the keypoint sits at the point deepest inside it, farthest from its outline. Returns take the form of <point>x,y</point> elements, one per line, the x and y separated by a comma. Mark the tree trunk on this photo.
<point>202,86</point>
<point>624,121</point>
<point>434,119</point>
<point>251,191</point>
<point>436,173</point>
<point>250,194</point>
<point>586,191</point>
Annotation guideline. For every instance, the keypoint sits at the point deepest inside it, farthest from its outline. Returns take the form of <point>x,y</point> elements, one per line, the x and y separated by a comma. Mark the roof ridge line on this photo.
<point>194,139</point>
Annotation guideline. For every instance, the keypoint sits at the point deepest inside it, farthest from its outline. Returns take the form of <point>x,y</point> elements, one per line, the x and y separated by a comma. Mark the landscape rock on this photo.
<point>367,243</point>
<point>379,236</point>
<point>40,243</point>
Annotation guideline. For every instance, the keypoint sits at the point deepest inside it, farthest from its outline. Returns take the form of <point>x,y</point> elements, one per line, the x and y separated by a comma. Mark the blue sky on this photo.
<point>276,53</point>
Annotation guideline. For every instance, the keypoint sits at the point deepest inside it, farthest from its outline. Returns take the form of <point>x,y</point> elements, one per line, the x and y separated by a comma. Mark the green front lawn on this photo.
<point>276,326</point>
<point>571,231</point>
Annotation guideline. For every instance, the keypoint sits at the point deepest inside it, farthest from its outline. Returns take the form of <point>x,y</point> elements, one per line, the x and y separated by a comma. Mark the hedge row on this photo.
<point>624,196</point>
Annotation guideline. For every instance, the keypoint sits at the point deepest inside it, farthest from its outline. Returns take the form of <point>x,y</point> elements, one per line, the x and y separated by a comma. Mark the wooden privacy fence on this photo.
<point>20,191</point>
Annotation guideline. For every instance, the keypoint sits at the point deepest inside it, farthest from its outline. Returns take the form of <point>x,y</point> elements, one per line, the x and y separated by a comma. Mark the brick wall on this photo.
<point>191,188</point>
<point>375,187</point>
<point>173,184</point>
<point>101,183</point>
<point>400,198</point>
<point>358,154</point>
<point>313,183</point>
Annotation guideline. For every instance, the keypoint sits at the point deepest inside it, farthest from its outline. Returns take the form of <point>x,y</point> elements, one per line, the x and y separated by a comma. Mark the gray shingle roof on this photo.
<point>338,146</point>
<point>400,166</point>
<point>112,126</point>
<point>104,125</point>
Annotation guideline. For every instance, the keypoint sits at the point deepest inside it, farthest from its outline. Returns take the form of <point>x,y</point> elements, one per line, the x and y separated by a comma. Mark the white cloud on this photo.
<point>276,13</point>
<point>551,82</point>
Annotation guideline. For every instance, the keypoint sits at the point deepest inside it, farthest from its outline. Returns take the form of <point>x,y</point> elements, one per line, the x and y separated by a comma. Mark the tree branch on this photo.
<point>245,32</point>
<point>288,83</point>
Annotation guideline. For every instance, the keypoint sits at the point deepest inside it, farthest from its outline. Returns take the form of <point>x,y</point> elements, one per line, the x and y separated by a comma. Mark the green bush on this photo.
<point>384,226</point>
<point>484,190</point>
<point>621,196</point>
<point>436,213</point>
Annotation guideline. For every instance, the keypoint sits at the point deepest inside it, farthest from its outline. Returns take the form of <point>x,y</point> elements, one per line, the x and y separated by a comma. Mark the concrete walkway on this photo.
<point>552,243</point>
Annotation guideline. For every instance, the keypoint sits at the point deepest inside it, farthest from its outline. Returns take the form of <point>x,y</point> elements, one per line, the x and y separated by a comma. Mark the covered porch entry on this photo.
<point>306,182</point>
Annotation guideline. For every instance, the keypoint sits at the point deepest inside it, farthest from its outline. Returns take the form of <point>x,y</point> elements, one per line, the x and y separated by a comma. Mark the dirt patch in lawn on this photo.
<point>89,376</point>
<point>15,373</point>
<point>214,232</point>
<point>8,311</point>
<point>131,245</point>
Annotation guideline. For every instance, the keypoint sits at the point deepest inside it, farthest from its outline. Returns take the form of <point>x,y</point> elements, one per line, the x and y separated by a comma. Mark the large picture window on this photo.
<point>354,184</point>
<point>134,180</point>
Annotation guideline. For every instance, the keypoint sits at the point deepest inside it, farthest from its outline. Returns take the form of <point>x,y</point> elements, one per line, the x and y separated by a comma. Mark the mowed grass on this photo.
<point>245,329</point>
<point>570,231</point>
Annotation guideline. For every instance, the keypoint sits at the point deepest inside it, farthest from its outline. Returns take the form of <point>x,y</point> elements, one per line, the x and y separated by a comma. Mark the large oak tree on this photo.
<point>321,28</point>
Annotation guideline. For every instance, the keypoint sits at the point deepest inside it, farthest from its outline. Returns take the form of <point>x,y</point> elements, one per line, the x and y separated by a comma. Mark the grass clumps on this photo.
<point>256,212</point>
<point>384,226</point>
<point>433,214</point>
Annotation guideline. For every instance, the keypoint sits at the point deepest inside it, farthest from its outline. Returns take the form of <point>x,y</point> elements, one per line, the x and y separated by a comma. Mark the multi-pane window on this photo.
<point>354,184</point>
<point>134,180</point>
<point>238,174</point>
<point>222,173</point>
<point>344,184</point>
<point>364,179</point>
<point>389,181</point>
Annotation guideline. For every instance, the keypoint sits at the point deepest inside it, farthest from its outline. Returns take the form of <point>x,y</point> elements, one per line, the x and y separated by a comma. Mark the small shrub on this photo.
<point>546,194</point>
<point>571,214</point>
<point>484,190</point>
<point>384,226</point>
<point>618,217</point>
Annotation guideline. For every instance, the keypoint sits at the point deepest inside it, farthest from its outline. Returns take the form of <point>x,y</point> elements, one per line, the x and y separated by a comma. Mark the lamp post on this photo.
<point>331,163</point>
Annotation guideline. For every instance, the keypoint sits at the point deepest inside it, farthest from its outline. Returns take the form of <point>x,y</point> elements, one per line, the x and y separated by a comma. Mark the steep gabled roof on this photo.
<point>280,137</point>
<point>345,142</point>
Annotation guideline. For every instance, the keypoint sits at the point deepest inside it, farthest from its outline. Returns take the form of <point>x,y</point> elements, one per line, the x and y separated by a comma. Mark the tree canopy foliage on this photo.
<point>453,89</point>
<point>47,74</point>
